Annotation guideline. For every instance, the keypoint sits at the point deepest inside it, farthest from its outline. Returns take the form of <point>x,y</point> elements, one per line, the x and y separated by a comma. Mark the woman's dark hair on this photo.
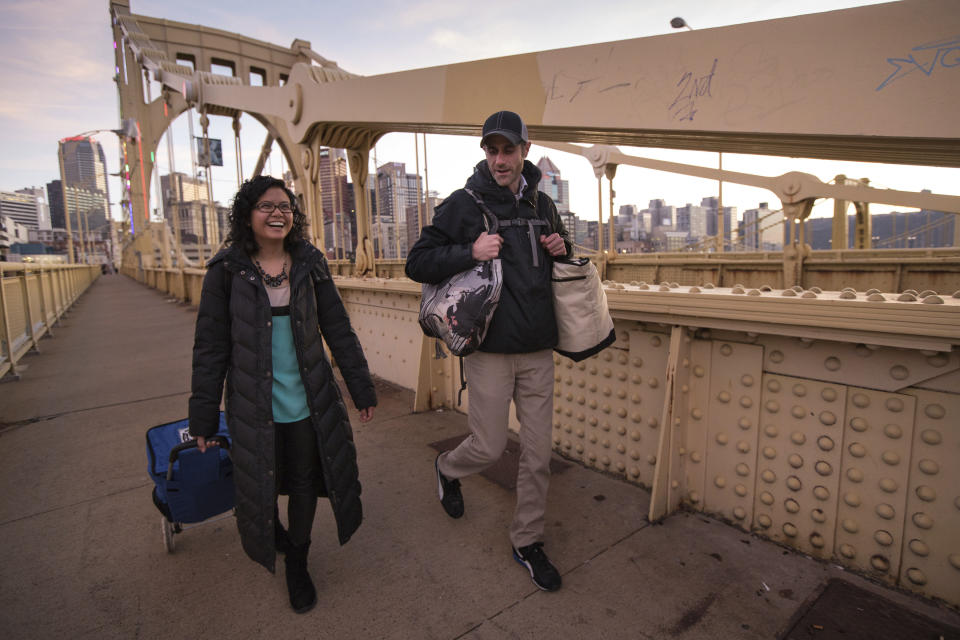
<point>241,233</point>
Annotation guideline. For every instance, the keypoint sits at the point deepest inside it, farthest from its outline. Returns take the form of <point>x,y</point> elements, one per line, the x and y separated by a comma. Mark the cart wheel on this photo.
<point>167,527</point>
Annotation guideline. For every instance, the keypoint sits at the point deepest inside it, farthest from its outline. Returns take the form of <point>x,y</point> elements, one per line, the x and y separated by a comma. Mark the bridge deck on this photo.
<point>82,556</point>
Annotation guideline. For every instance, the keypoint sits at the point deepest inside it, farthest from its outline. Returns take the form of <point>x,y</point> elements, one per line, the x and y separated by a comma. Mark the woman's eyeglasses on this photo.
<point>268,207</point>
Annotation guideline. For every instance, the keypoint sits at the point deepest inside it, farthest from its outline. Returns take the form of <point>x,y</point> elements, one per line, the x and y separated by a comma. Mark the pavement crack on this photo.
<point>18,424</point>
<point>76,504</point>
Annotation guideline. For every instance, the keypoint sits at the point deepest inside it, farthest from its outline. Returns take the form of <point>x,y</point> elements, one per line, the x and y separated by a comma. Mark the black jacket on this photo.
<point>233,343</point>
<point>523,321</point>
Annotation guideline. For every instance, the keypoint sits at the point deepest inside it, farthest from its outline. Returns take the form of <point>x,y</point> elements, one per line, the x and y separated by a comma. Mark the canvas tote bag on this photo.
<point>583,318</point>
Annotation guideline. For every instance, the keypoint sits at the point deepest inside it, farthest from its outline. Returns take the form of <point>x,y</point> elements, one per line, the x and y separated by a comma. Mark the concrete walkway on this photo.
<point>81,554</point>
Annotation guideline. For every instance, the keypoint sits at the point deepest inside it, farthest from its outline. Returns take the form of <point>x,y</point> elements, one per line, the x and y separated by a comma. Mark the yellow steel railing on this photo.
<point>32,300</point>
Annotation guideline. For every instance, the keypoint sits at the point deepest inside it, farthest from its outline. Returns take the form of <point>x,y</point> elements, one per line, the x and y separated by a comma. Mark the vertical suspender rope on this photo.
<point>236,149</point>
<point>376,197</point>
<point>416,152</point>
<point>193,165</point>
<point>426,182</point>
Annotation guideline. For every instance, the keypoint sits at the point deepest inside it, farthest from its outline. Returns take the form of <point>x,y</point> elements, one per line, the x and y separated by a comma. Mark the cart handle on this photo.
<point>192,444</point>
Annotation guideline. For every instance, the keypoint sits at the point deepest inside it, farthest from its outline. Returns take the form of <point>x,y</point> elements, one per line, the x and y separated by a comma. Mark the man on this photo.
<point>515,359</point>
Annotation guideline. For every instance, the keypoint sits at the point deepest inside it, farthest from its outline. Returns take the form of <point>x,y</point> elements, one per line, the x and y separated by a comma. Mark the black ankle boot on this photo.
<point>303,595</point>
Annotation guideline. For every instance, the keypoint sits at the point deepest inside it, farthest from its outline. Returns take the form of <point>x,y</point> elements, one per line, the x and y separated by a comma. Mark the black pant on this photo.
<point>299,475</point>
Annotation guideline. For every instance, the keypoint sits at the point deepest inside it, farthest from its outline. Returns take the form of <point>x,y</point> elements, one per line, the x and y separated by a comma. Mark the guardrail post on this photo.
<point>27,314</point>
<point>43,303</point>
<point>8,339</point>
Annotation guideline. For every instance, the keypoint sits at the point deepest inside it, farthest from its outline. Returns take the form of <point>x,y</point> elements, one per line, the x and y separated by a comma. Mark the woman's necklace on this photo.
<point>273,281</point>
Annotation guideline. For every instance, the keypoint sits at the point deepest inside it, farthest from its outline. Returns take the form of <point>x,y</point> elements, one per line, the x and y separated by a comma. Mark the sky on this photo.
<point>56,67</point>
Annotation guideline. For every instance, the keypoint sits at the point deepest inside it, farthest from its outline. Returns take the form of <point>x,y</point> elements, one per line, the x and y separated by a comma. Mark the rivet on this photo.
<point>885,511</point>
<point>742,469</point>
<point>922,520</point>
<point>929,467</point>
<point>888,485</point>
<point>858,424</point>
<point>740,490</point>
<point>767,498</point>
<point>789,530</point>
<point>764,521</point>
<point>744,423</point>
<point>827,418</point>
<point>794,484</point>
<point>850,526</point>
<point>746,402</point>
<point>798,438</point>
<point>894,404</point>
<point>773,385</point>
<point>776,357</point>
<point>931,437</point>
<point>861,400</point>
<point>823,468</point>
<point>799,390</point>
<point>723,396</point>
<point>696,457</point>
<point>771,431</point>
<point>652,460</point>
<point>890,457</point>
<point>768,476</point>
<point>857,450</point>
<point>818,515</point>
<point>919,547</point>
<point>722,438</point>
<point>916,576</point>
<point>847,551</point>
<point>769,453</point>
<point>825,443</point>
<point>821,493</point>
<point>828,394</point>
<point>772,406</point>
<point>934,411</point>
<point>883,538</point>
<point>816,540</point>
<point>739,513</point>
<point>832,363</point>
<point>795,461</point>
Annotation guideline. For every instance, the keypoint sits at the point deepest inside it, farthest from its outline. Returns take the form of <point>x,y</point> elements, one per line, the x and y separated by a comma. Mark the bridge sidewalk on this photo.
<point>81,554</point>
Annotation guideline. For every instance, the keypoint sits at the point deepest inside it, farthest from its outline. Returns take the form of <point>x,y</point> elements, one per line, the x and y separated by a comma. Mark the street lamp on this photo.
<point>128,129</point>
<point>680,23</point>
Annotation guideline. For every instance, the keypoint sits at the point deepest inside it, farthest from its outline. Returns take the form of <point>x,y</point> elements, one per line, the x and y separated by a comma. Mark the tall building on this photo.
<point>761,229</point>
<point>662,215</point>
<point>25,206</point>
<point>552,185</point>
<point>397,202</point>
<point>729,219</point>
<point>337,201</point>
<point>185,204</point>
<point>85,167</point>
<point>692,218</point>
<point>88,207</point>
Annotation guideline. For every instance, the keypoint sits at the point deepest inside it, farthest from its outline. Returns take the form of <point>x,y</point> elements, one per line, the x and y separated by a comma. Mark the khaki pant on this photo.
<point>493,379</point>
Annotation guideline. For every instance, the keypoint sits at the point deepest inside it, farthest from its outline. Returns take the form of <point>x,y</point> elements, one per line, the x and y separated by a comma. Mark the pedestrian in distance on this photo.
<point>267,305</point>
<point>515,359</point>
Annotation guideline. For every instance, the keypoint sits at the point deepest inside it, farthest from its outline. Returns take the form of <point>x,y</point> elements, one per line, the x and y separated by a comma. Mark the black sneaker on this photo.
<point>543,574</point>
<point>449,490</point>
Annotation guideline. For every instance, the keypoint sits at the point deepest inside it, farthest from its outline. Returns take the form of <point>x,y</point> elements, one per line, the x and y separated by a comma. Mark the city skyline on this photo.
<point>59,100</point>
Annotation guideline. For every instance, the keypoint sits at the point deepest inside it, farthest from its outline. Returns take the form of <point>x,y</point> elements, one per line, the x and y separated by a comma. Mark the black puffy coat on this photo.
<point>233,343</point>
<point>524,320</point>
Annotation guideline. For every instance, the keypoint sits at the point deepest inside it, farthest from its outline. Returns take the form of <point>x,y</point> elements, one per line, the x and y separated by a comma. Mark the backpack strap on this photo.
<point>529,223</point>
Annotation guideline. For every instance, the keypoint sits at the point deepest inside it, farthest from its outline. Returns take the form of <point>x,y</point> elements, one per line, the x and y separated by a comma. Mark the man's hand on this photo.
<point>366,414</point>
<point>554,244</point>
<point>486,247</point>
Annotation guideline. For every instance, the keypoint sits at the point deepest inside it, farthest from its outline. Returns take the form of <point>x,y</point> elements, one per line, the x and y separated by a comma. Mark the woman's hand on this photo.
<point>202,444</point>
<point>366,414</point>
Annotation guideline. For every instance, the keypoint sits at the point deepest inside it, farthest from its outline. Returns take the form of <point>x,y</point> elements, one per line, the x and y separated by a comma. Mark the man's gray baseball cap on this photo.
<point>506,124</point>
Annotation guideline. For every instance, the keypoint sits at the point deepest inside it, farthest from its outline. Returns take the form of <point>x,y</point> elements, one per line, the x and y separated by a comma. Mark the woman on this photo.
<point>263,298</point>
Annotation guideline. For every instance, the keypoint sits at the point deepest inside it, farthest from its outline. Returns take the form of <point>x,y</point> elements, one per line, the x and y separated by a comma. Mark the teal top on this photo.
<point>289,396</point>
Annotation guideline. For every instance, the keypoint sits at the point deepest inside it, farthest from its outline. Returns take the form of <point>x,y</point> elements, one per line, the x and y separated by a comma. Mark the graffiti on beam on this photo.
<point>927,58</point>
<point>691,90</point>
